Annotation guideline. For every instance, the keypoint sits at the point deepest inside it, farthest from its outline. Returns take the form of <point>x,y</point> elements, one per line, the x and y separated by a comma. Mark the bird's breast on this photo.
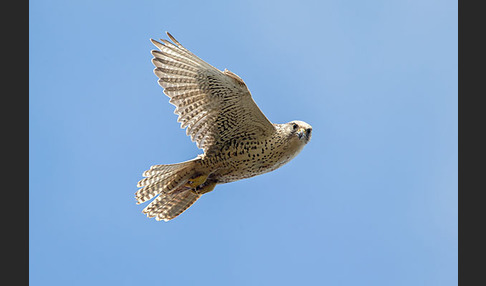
<point>249,159</point>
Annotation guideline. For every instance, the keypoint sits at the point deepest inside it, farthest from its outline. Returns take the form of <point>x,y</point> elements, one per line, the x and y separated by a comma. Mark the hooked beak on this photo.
<point>303,133</point>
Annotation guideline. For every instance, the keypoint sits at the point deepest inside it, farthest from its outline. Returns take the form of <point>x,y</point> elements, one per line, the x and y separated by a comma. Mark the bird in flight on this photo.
<point>219,114</point>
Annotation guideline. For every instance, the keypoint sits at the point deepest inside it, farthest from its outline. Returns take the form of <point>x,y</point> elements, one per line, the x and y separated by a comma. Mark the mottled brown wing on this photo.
<point>214,106</point>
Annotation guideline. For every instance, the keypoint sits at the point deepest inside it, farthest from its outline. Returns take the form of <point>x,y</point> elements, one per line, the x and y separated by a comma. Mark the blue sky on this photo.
<point>371,200</point>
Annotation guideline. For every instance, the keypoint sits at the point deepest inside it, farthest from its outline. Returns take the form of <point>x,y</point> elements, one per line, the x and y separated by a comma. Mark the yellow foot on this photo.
<point>194,182</point>
<point>201,190</point>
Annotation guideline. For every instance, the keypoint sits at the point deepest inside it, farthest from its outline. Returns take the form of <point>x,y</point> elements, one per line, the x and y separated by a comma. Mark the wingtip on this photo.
<point>173,39</point>
<point>153,52</point>
<point>157,43</point>
<point>154,41</point>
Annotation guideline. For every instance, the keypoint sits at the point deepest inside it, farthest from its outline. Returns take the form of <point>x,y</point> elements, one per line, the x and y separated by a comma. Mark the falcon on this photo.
<point>218,112</point>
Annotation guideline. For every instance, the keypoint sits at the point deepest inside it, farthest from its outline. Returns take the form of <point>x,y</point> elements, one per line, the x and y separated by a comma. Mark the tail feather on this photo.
<point>168,206</point>
<point>169,182</point>
<point>160,169</point>
<point>157,185</point>
<point>163,178</point>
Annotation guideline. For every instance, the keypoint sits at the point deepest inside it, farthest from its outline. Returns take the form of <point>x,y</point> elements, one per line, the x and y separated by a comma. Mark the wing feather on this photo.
<point>215,106</point>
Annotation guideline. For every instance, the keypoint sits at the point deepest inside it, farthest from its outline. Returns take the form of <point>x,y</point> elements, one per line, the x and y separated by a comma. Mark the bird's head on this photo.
<point>300,130</point>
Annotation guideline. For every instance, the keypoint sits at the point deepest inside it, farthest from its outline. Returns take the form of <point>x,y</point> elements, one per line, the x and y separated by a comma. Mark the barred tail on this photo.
<point>170,183</point>
<point>168,206</point>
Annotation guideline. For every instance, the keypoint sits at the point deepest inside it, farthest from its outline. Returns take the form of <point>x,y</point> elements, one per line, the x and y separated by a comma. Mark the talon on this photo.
<point>194,182</point>
<point>205,189</point>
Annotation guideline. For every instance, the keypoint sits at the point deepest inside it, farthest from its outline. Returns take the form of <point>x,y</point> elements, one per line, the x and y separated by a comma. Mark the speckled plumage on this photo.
<point>219,114</point>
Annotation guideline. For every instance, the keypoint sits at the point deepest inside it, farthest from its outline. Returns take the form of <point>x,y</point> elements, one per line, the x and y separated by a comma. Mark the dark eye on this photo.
<point>294,126</point>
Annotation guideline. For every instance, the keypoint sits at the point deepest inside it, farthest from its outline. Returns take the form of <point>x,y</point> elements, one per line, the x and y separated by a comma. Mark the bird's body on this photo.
<point>217,109</point>
<point>250,157</point>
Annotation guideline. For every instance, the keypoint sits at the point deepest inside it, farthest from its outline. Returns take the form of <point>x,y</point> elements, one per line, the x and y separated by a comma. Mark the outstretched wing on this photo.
<point>215,106</point>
